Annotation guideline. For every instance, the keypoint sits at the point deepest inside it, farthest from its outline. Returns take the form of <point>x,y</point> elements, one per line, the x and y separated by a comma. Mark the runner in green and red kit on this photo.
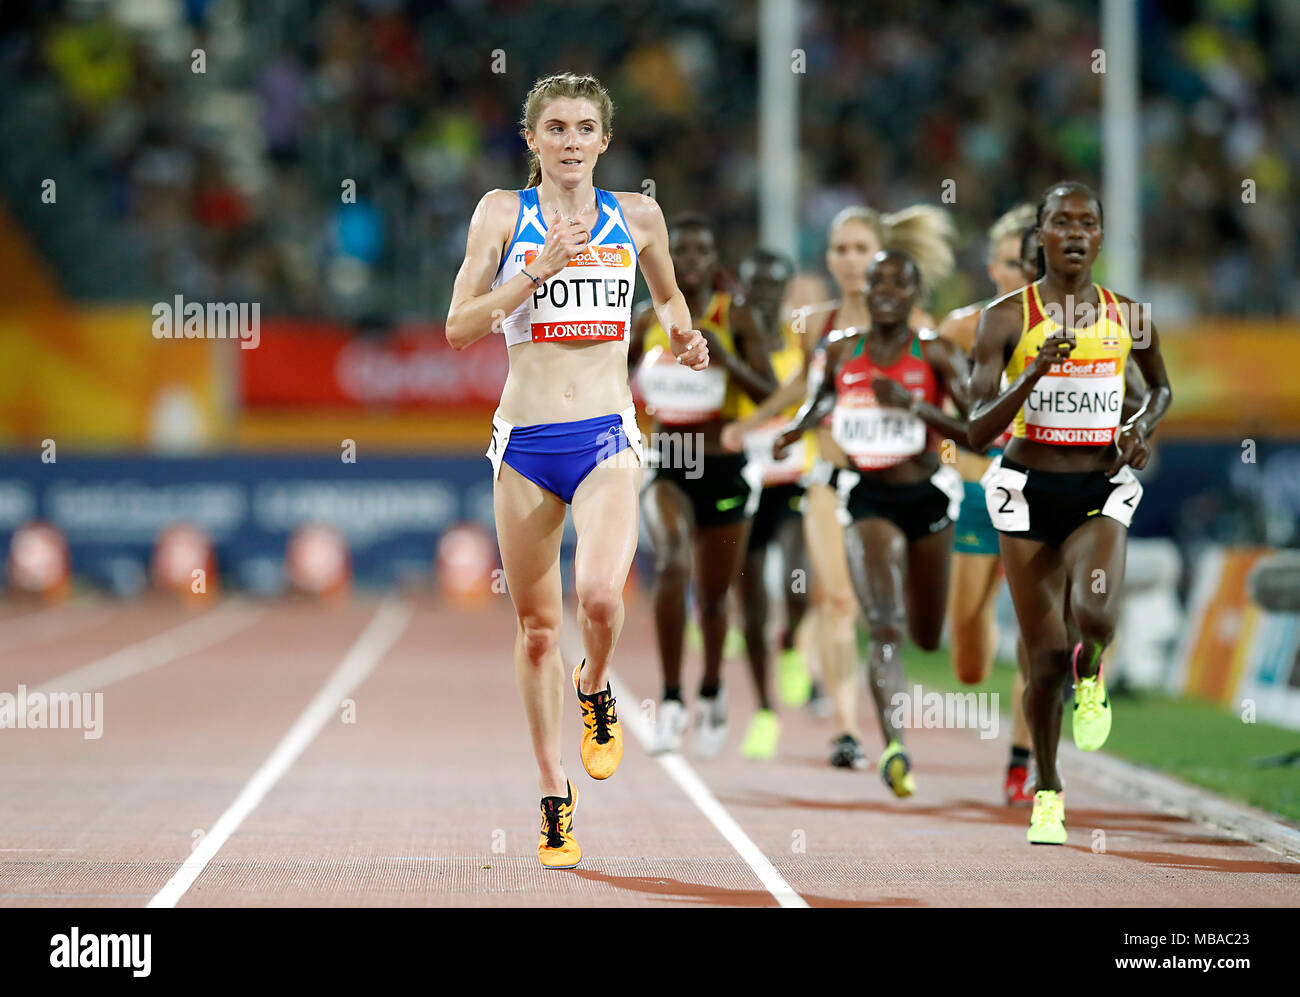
<point>884,388</point>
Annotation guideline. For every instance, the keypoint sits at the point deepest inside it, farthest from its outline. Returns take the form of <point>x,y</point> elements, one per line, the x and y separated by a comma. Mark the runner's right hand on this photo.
<point>690,346</point>
<point>1131,448</point>
<point>1055,348</point>
<point>565,239</point>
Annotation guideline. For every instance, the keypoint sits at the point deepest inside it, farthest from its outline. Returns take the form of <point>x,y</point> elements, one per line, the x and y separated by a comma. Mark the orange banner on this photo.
<point>97,378</point>
<point>1224,625</point>
<point>1233,378</point>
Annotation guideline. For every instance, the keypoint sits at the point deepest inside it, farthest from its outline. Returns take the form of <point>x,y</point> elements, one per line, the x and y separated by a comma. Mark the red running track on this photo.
<point>423,791</point>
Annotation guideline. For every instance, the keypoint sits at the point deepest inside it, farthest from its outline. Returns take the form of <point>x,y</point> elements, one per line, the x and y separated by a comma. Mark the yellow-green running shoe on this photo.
<point>762,736</point>
<point>1047,822</point>
<point>896,770</point>
<point>1091,709</point>
<point>792,678</point>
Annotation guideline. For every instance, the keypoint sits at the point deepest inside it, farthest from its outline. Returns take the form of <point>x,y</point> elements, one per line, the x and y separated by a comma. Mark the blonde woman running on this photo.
<point>553,267</point>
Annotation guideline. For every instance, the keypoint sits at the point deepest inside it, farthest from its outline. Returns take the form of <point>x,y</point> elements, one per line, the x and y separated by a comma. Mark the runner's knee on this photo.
<point>840,610</point>
<point>600,602</point>
<point>539,638</point>
<point>1095,622</point>
<point>840,628</point>
<point>712,604</point>
<point>673,566</point>
<point>887,625</point>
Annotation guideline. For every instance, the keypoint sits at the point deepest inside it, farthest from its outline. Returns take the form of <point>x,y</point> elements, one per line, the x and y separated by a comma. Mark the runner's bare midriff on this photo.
<point>565,382</point>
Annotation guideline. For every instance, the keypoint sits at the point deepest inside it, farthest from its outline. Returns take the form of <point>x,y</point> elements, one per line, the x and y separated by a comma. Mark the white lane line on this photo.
<point>380,634</point>
<point>679,769</point>
<point>681,772</point>
<point>211,628</point>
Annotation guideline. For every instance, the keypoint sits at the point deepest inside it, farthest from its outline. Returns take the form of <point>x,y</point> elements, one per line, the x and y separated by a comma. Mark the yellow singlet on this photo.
<point>758,444</point>
<point>677,395</point>
<point>1079,401</point>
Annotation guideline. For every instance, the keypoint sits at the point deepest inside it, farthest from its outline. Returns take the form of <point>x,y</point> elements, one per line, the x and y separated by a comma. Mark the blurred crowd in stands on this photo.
<point>233,172</point>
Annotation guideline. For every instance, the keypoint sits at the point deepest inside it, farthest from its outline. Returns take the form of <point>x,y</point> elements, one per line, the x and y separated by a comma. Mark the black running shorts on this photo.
<point>778,504</point>
<point>918,510</point>
<point>1048,506</point>
<point>717,485</point>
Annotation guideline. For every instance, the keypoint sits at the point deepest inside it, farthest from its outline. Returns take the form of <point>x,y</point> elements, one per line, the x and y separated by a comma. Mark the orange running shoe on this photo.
<point>602,741</point>
<point>557,848</point>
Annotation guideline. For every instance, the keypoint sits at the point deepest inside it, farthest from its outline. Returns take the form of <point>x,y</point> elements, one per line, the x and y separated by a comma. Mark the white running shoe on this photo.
<point>670,724</point>
<point>710,725</point>
<point>819,704</point>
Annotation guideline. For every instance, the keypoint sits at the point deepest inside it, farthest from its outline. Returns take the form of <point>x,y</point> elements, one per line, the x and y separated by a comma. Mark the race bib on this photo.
<point>948,480</point>
<point>1123,500</point>
<point>590,299</point>
<point>874,437</point>
<point>758,450</point>
<point>1004,495</point>
<point>677,395</point>
<point>1077,403</point>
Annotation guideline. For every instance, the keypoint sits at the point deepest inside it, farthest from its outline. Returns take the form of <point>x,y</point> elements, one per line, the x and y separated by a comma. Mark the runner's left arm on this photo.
<point>1135,391</point>
<point>1131,442</point>
<point>651,235</point>
<point>821,395</point>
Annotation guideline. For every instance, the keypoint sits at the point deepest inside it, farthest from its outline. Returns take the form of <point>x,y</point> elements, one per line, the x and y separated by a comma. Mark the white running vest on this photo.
<point>591,298</point>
